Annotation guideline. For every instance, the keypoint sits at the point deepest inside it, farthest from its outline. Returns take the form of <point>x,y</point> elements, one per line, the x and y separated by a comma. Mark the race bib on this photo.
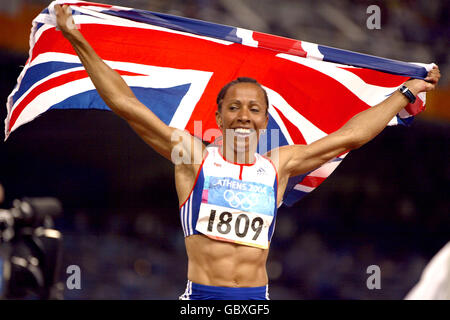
<point>236,211</point>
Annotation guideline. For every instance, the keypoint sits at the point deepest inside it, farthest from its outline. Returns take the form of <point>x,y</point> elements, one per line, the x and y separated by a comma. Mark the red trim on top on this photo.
<point>240,171</point>
<point>238,164</point>
<point>196,178</point>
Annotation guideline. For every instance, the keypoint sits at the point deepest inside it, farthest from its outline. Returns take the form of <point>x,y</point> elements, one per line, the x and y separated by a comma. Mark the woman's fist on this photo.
<point>428,84</point>
<point>64,19</point>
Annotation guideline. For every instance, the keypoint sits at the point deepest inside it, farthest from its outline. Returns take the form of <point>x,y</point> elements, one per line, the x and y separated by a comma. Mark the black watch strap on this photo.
<point>408,94</point>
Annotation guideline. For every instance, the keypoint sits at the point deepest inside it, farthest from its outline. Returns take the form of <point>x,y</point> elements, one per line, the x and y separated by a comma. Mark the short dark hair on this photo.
<point>225,88</point>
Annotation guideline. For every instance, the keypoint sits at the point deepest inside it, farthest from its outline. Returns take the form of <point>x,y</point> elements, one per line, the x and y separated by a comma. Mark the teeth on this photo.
<point>243,131</point>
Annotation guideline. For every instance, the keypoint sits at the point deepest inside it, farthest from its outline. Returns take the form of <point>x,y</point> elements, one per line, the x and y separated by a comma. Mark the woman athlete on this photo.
<point>229,195</point>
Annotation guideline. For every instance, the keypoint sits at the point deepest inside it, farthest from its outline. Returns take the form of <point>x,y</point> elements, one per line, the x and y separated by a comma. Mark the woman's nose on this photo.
<point>243,114</point>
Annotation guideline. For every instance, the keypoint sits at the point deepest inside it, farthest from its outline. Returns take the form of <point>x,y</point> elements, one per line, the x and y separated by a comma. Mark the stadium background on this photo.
<point>387,204</point>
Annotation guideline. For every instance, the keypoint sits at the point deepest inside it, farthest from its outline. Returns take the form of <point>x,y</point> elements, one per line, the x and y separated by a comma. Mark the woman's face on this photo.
<point>242,116</point>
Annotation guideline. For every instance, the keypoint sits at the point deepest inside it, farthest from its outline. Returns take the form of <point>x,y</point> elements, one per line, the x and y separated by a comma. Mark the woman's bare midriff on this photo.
<point>225,264</point>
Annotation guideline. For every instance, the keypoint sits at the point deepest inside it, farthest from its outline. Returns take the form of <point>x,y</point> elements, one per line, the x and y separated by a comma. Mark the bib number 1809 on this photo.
<point>241,222</point>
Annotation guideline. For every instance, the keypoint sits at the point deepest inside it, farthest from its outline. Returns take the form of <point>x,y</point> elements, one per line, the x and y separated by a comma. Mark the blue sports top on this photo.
<point>232,202</point>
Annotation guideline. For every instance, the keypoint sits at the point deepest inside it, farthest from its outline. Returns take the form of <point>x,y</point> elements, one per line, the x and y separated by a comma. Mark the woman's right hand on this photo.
<point>64,19</point>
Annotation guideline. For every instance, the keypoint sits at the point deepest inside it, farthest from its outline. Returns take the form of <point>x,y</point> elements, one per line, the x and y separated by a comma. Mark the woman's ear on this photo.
<point>219,120</point>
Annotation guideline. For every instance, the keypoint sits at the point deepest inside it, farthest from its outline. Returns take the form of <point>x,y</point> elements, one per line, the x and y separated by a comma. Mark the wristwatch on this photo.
<point>408,94</point>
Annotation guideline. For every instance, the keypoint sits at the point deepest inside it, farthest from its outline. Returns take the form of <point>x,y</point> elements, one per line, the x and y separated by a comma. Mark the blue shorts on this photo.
<point>195,291</point>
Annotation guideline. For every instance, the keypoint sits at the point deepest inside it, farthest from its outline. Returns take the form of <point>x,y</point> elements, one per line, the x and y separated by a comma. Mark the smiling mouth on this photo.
<point>243,132</point>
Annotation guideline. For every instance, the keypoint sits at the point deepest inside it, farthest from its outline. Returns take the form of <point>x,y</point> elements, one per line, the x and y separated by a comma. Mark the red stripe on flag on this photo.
<point>314,94</point>
<point>161,49</point>
<point>377,78</point>
<point>416,107</point>
<point>51,41</point>
<point>50,84</point>
<point>311,181</point>
<point>47,85</point>
<point>294,132</point>
<point>82,4</point>
<point>279,44</point>
<point>304,88</point>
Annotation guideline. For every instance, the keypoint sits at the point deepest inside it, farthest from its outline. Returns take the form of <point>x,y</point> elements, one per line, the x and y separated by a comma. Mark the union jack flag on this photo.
<point>176,66</point>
